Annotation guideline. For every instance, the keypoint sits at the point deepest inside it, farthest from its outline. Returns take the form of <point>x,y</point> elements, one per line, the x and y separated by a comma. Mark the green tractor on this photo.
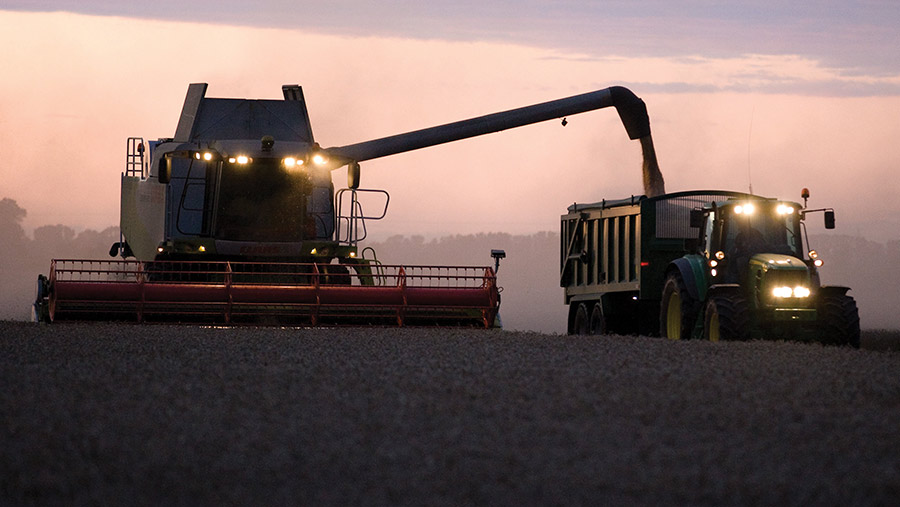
<point>749,277</point>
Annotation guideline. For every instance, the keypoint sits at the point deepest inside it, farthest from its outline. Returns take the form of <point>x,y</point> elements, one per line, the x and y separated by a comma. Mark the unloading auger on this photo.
<point>235,219</point>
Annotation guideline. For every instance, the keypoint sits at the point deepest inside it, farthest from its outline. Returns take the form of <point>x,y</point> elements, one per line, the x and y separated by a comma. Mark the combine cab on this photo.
<point>235,219</point>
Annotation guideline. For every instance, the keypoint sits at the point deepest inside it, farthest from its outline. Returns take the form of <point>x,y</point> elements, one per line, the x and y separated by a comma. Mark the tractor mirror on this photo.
<point>697,216</point>
<point>164,171</point>
<point>829,219</point>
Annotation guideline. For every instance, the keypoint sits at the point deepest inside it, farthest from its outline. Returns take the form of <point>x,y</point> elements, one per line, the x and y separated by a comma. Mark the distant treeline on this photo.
<point>529,276</point>
<point>22,257</point>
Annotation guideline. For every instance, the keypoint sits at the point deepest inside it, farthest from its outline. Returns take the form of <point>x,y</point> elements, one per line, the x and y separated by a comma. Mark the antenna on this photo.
<point>749,166</point>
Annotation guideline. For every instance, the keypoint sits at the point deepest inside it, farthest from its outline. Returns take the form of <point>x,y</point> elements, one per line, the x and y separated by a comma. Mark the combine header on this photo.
<point>235,219</point>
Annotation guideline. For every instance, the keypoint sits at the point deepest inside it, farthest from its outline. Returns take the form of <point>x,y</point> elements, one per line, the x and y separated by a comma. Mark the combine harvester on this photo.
<point>235,220</point>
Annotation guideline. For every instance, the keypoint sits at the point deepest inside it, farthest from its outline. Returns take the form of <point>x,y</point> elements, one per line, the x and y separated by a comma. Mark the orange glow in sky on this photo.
<point>76,86</point>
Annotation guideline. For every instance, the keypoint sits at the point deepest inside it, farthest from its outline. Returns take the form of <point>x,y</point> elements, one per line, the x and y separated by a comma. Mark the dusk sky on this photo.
<point>770,94</point>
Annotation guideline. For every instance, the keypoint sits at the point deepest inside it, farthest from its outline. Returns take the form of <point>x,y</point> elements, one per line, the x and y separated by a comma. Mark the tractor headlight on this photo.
<point>784,209</point>
<point>319,159</point>
<point>787,292</point>
<point>782,292</point>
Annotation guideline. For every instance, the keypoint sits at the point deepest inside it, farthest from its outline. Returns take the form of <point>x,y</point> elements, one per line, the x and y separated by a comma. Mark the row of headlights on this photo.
<point>749,209</point>
<point>288,162</point>
<point>720,256</point>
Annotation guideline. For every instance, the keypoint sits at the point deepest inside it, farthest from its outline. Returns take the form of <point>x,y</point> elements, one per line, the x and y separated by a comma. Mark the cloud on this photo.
<point>859,37</point>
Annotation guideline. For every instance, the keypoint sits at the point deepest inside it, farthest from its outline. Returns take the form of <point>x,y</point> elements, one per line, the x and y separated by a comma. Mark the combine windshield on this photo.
<point>262,201</point>
<point>763,227</point>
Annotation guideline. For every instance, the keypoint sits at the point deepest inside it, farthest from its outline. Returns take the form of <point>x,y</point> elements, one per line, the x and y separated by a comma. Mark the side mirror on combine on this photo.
<point>697,216</point>
<point>829,219</point>
<point>164,171</point>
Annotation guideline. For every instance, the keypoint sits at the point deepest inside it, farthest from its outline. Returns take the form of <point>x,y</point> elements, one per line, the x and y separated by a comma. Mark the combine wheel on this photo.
<point>40,311</point>
<point>598,320</point>
<point>727,318</point>
<point>581,323</point>
<point>677,310</point>
<point>839,320</point>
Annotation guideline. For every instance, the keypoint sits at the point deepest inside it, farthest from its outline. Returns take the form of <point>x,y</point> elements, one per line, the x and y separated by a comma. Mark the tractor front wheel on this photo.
<point>839,318</point>
<point>727,318</point>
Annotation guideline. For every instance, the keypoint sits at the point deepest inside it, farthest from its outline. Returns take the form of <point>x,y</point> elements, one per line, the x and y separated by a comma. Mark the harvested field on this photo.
<point>128,414</point>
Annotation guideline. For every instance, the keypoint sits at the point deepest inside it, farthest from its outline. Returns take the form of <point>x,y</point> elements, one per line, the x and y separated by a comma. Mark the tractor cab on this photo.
<point>735,231</point>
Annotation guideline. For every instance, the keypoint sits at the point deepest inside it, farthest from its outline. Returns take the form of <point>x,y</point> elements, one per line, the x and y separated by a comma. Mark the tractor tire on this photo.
<point>677,310</point>
<point>727,318</point>
<point>839,320</point>
<point>581,324</point>
<point>599,324</point>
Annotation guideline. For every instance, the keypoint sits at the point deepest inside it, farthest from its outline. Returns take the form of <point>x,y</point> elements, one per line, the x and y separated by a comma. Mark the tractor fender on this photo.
<point>723,288</point>
<point>833,290</point>
<point>693,271</point>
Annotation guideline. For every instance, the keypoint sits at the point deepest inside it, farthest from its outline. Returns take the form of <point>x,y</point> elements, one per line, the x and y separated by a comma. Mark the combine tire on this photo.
<point>677,311</point>
<point>40,310</point>
<point>839,320</point>
<point>727,318</point>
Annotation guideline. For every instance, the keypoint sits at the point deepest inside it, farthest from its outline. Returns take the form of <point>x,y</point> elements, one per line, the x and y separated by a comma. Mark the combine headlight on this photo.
<point>720,255</point>
<point>240,159</point>
<point>207,156</point>
<point>818,263</point>
<point>319,159</point>
<point>745,209</point>
<point>786,292</point>
<point>290,162</point>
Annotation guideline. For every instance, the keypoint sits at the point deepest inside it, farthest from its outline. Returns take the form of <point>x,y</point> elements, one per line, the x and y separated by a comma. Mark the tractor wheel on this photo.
<point>677,311</point>
<point>581,323</point>
<point>599,324</point>
<point>727,318</point>
<point>839,319</point>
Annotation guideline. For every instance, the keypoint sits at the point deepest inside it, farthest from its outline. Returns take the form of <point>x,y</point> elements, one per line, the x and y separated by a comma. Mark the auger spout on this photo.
<point>631,109</point>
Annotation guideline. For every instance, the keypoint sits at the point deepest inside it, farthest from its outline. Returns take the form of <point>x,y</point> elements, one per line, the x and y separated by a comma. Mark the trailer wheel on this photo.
<point>839,318</point>
<point>727,318</point>
<point>598,320</point>
<point>581,323</point>
<point>677,310</point>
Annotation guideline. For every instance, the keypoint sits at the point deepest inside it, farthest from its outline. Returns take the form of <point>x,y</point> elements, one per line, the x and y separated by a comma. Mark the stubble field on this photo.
<point>105,413</point>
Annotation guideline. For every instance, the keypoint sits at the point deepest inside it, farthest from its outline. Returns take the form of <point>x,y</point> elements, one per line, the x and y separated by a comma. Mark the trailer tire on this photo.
<point>677,310</point>
<point>727,318</point>
<point>599,324</point>
<point>839,318</point>
<point>581,324</point>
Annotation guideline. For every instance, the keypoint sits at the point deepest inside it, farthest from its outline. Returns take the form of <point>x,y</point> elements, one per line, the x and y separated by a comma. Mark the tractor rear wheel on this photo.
<point>678,310</point>
<point>839,318</point>
<point>727,318</point>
